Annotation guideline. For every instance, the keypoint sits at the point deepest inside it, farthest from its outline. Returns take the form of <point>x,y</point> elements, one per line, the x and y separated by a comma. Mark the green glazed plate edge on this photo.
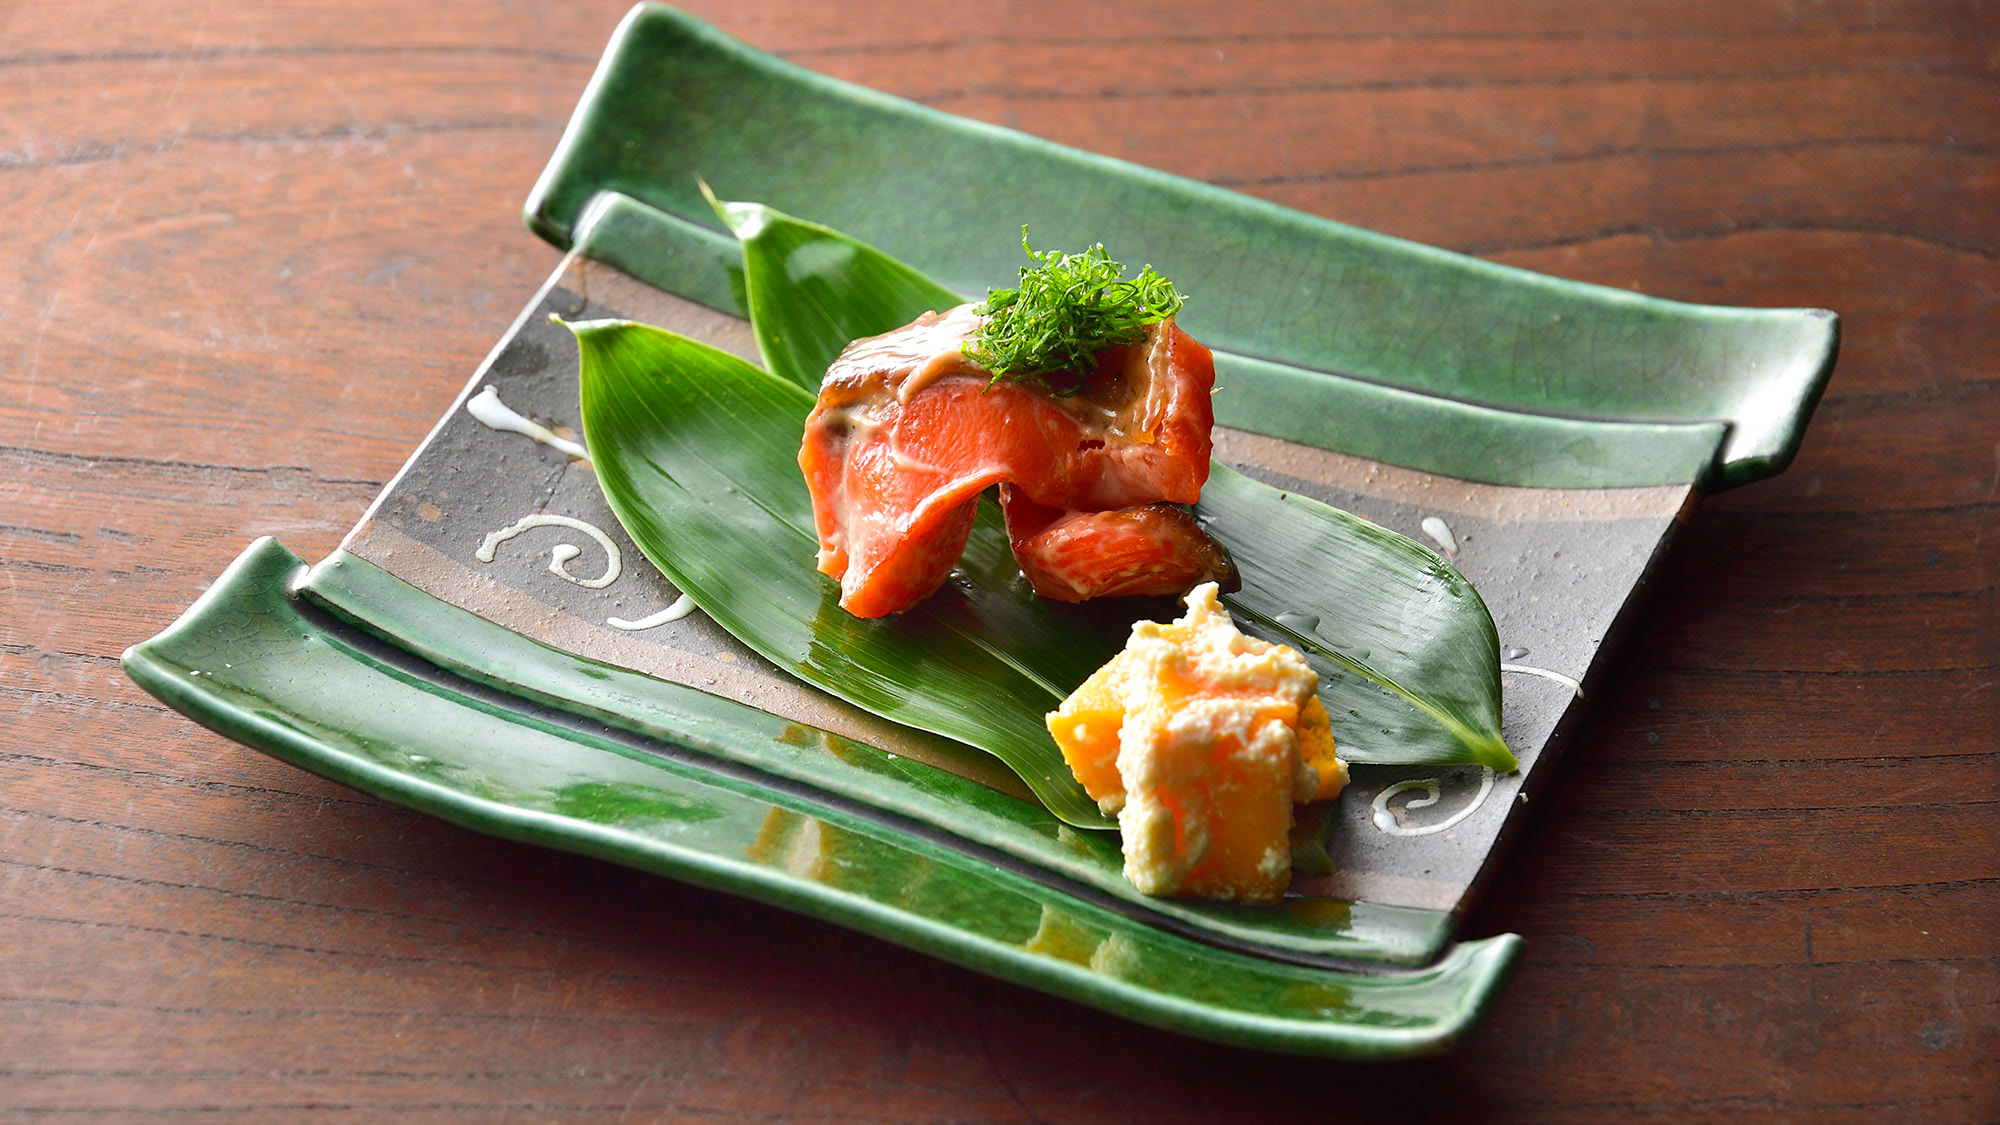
<point>252,614</point>
<point>469,646</point>
<point>1404,353</point>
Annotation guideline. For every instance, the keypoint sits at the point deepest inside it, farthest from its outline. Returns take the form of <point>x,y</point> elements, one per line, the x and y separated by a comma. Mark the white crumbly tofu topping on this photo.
<point>1161,746</point>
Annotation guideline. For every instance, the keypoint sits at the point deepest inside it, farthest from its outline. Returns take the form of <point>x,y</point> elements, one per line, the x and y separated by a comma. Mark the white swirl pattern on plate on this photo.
<point>682,606</point>
<point>1388,821</point>
<point>561,553</point>
<point>494,414</point>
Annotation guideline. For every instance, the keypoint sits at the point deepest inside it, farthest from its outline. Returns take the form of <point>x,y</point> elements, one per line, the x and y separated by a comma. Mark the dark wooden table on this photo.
<point>249,252</point>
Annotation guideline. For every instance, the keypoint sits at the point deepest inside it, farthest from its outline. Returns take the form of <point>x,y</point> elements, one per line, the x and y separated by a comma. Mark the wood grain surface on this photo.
<point>248,252</point>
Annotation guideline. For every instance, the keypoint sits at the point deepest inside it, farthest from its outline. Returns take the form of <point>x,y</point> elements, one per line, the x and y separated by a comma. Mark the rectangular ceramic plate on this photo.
<point>489,646</point>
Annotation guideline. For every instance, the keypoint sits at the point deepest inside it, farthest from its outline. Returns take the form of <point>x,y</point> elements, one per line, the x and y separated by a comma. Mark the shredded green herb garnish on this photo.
<point>1067,308</point>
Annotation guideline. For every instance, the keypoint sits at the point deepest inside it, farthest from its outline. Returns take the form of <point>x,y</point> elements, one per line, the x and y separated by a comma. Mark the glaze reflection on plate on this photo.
<point>489,646</point>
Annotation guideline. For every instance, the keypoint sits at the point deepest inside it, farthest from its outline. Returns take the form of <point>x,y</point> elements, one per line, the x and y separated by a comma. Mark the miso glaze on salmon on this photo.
<point>908,431</point>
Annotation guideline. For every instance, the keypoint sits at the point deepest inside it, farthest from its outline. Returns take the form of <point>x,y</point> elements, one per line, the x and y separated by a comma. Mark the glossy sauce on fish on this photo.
<point>908,432</point>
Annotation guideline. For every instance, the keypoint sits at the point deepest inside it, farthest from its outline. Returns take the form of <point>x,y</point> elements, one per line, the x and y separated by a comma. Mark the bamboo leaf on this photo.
<point>811,291</point>
<point>1408,658</point>
<point>697,450</point>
